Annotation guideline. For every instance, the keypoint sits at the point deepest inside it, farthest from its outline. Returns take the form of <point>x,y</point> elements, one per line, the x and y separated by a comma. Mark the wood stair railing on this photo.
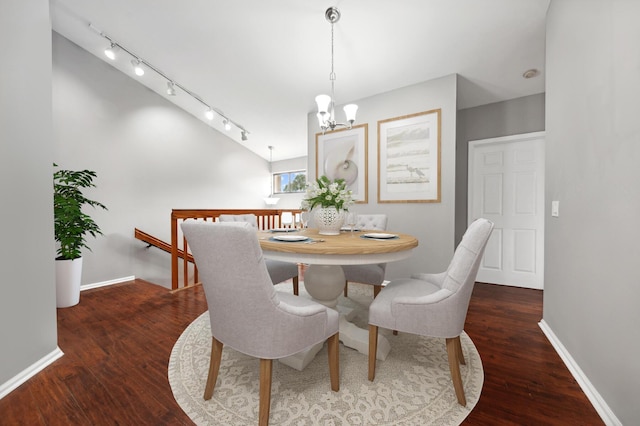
<point>267,219</point>
<point>158,243</point>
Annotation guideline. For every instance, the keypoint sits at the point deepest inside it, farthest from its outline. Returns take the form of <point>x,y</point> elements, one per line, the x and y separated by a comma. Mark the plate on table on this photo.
<point>290,238</point>
<point>283,230</point>
<point>379,235</point>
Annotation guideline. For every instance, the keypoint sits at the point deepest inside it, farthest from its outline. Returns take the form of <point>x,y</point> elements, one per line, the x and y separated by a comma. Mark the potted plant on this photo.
<point>71,225</point>
<point>332,199</point>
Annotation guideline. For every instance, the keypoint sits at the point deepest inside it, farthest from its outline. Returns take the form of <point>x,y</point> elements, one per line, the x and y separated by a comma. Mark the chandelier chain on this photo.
<point>332,76</point>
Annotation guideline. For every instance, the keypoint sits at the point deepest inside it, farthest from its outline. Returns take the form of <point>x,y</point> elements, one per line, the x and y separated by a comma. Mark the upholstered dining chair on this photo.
<point>247,313</point>
<point>278,271</point>
<point>433,304</point>
<point>367,274</point>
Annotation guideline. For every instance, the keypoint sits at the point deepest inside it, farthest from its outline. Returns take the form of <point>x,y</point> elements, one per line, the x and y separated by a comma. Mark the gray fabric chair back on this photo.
<point>463,268</point>
<point>377,222</point>
<point>462,271</point>
<point>246,312</point>
<point>249,218</point>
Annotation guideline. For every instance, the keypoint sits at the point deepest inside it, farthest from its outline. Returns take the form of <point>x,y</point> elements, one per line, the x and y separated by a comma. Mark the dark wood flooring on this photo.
<point>117,343</point>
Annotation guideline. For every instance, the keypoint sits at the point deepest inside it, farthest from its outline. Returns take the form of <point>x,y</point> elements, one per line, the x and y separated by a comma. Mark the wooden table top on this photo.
<point>338,249</point>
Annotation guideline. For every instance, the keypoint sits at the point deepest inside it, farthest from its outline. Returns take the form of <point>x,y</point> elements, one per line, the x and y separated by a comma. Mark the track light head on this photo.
<point>244,135</point>
<point>171,89</point>
<point>209,114</point>
<point>227,126</point>
<point>137,67</point>
<point>110,52</point>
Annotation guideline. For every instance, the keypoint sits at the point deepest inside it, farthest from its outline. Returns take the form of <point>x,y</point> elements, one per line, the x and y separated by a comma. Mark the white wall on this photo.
<point>592,291</point>
<point>150,157</point>
<point>28,301</point>
<point>431,223</point>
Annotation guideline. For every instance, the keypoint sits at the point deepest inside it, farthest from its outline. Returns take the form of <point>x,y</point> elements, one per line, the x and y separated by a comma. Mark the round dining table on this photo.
<point>324,279</point>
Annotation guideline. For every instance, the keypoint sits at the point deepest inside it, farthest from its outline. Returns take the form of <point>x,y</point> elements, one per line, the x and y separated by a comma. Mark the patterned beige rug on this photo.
<point>412,386</point>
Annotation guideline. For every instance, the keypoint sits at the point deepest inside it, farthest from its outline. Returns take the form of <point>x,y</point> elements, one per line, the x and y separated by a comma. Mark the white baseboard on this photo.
<point>106,283</point>
<point>608,417</point>
<point>7,387</point>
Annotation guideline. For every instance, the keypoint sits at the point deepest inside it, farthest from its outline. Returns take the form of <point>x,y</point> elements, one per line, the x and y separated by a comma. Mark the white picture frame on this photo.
<point>342,154</point>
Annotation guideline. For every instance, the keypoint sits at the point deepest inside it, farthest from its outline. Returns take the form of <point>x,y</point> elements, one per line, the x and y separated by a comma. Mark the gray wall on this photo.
<point>150,157</point>
<point>28,301</point>
<point>592,291</point>
<point>431,223</point>
<point>512,117</point>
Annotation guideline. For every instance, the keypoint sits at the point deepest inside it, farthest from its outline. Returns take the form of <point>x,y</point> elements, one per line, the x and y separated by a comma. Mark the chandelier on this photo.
<point>326,103</point>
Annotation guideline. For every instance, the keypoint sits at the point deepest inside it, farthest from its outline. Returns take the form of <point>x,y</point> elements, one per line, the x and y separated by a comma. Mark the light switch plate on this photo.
<point>555,208</point>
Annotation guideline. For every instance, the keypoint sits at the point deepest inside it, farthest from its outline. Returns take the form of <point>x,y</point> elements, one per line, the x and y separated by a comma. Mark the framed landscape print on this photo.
<point>342,154</point>
<point>409,158</point>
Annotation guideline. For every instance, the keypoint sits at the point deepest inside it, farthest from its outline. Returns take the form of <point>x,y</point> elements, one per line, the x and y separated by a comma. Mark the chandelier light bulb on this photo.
<point>323,102</point>
<point>350,111</point>
<point>321,121</point>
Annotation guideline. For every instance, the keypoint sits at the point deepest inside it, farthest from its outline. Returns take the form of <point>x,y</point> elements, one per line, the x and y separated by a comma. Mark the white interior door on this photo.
<point>506,186</point>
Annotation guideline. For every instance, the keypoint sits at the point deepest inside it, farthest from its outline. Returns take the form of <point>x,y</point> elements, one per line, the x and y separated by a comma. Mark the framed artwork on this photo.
<point>342,154</point>
<point>409,158</point>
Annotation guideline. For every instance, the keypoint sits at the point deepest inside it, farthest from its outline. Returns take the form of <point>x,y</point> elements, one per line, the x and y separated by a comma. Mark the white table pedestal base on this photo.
<point>325,283</point>
<point>357,338</point>
<point>301,359</point>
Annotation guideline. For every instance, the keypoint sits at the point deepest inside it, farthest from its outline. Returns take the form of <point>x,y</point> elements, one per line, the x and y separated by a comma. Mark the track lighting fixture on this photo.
<point>110,52</point>
<point>171,89</point>
<point>137,67</point>
<point>140,65</point>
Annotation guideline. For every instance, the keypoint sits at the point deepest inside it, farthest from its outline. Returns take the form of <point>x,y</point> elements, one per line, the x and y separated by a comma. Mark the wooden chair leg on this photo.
<point>295,286</point>
<point>214,367</point>
<point>459,350</point>
<point>265,391</point>
<point>373,349</point>
<point>376,290</point>
<point>334,362</point>
<point>345,288</point>
<point>395,332</point>
<point>454,367</point>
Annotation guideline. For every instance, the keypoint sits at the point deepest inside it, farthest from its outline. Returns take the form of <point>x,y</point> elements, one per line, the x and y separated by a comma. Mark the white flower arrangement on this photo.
<point>325,193</point>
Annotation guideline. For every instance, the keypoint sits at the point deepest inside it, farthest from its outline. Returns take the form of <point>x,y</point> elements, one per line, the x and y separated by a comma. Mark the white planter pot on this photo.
<point>68,276</point>
<point>328,220</point>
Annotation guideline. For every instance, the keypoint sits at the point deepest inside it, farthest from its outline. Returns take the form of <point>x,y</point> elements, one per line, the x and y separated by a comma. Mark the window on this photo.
<point>290,182</point>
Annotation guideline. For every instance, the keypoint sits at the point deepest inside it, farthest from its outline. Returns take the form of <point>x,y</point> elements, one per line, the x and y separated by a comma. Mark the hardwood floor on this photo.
<point>117,343</point>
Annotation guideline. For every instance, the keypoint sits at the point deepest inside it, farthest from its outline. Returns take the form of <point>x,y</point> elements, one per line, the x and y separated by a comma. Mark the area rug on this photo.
<point>412,386</point>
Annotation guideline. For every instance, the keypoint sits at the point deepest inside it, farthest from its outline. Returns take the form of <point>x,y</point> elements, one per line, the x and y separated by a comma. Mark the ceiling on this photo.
<point>262,63</point>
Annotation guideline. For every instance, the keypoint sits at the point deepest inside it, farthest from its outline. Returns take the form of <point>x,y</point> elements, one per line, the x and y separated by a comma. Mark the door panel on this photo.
<point>506,186</point>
